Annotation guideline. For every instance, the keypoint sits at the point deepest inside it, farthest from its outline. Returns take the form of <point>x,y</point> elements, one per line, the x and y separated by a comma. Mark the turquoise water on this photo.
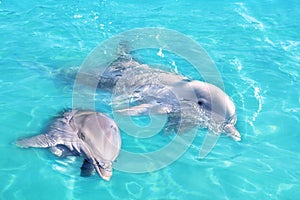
<point>256,47</point>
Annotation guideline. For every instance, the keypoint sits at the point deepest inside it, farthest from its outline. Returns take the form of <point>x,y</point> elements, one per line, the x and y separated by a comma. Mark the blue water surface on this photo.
<point>255,46</point>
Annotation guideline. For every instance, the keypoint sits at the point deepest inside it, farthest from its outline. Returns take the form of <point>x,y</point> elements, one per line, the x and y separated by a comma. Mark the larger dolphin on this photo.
<point>188,103</point>
<point>91,135</point>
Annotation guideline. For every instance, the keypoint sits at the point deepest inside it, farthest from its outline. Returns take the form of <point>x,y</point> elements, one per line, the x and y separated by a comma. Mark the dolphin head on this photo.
<point>218,106</point>
<point>100,141</point>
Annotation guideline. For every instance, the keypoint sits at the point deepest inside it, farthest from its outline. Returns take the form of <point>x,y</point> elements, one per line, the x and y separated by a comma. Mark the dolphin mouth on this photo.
<point>231,131</point>
<point>104,170</point>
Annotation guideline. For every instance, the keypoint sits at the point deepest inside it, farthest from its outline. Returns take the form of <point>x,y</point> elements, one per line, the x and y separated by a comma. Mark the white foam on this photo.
<point>77,16</point>
<point>160,53</point>
<point>213,178</point>
<point>243,11</point>
<point>259,99</point>
<point>284,187</point>
<point>237,63</point>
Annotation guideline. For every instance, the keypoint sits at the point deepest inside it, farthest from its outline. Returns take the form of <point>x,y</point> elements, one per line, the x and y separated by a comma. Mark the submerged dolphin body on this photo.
<point>91,135</point>
<point>188,103</point>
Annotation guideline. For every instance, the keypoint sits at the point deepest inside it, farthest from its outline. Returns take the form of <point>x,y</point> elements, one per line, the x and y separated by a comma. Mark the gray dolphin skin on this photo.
<point>91,135</point>
<point>188,103</point>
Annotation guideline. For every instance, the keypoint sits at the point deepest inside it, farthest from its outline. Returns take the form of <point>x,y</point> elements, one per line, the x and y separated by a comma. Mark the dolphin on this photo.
<point>188,103</point>
<point>91,135</point>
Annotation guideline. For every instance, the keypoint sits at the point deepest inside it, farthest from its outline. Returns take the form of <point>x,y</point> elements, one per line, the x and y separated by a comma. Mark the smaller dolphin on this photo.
<point>91,135</point>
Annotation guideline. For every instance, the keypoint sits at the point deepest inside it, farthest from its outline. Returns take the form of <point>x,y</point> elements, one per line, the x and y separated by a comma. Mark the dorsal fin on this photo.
<point>123,48</point>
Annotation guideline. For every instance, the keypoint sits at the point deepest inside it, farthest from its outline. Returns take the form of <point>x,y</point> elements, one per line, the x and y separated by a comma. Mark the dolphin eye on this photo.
<point>81,135</point>
<point>200,103</point>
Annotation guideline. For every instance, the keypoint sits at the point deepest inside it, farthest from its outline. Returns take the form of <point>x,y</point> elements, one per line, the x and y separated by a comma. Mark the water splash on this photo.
<point>160,53</point>
<point>243,11</point>
<point>260,103</point>
<point>254,87</point>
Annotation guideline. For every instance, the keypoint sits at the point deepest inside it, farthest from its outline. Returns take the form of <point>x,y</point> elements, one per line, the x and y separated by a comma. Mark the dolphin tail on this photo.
<point>39,141</point>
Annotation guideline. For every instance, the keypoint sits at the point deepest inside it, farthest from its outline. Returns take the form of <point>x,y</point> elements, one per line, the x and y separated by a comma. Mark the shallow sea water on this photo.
<point>255,46</point>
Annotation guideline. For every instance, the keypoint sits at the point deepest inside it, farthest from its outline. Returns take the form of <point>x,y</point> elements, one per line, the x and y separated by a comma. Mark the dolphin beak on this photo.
<point>105,174</point>
<point>231,131</point>
<point>102,172</point>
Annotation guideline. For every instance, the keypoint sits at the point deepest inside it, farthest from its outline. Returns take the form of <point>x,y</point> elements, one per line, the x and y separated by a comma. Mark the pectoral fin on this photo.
<point>144,109</point>
<point>208,144</point>
<point>87,169</point>
<point>39,141</point>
